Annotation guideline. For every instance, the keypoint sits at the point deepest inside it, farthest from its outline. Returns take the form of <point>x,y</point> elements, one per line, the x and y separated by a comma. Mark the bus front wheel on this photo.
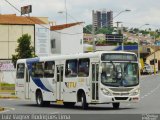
<point>116,105</point>
<point>39,99</point>
<point>84,102</point>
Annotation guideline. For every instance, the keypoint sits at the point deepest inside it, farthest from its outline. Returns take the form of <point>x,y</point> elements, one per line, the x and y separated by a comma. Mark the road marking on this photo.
<point>9,108</point>
<point>148,93</point>
<point>4,111</point>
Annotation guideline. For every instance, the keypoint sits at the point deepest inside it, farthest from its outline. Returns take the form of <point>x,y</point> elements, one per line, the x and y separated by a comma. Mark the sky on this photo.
<point>142,11</point>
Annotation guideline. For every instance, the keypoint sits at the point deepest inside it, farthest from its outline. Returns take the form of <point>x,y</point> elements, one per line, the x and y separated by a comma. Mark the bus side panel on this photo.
<point>47,96</point>
<point>69,88</point>
<point>20,93</point>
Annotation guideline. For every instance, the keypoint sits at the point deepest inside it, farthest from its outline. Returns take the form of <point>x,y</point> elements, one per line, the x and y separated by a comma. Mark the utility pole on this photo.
<point>154,55</point>
<point>66,10</point>
<point>93,32</point>
<point>118,31</point>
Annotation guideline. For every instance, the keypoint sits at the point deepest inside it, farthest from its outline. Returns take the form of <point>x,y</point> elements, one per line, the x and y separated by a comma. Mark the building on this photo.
<point>67,38</point>
<point>151,57</point>
<point>110,19</point>
<point>102,19</point>
<point>96,19</point>
<point>13,27</point>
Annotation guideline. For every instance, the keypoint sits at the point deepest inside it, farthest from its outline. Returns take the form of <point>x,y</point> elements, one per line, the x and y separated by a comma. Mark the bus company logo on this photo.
<point>70,84</point>
<point>150,117</point>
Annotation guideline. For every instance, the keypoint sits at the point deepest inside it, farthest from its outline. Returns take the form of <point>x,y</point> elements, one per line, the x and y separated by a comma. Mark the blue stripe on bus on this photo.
<point>37,81</point>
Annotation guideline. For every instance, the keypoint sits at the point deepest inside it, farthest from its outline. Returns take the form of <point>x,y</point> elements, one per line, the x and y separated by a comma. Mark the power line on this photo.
<point>38,23</point>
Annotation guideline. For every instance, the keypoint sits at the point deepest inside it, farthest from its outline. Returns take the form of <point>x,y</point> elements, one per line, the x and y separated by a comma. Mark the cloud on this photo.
<point>142,11</point>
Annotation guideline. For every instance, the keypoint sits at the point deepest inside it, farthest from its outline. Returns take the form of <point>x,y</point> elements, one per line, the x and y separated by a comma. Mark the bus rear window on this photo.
<point>20,71</point>
<point>118,57</point>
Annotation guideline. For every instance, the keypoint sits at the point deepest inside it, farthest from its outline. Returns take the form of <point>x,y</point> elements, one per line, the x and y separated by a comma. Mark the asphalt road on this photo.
<point>149,103</point>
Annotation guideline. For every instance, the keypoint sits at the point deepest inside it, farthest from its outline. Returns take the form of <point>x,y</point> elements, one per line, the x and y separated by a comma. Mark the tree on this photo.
<point>87,29</point>
<point>105,30</point>
<point>24,49</point>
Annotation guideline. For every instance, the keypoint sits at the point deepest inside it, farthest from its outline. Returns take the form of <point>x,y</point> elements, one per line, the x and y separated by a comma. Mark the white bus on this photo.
<point>88,78</point>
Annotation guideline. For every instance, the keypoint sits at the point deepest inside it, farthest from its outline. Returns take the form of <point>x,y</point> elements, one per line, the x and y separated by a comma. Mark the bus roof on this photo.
<point>73,56</point>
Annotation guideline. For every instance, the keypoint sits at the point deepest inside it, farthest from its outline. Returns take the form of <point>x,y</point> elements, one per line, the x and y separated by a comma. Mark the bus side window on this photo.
<point>49,68</point>
<point>37,69</point>
<point>20,70</point>
<point>71,68</point>
<point>83,67</point>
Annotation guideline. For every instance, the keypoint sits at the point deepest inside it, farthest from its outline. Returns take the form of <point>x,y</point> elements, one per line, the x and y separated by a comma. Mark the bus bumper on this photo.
<point>121,99</point>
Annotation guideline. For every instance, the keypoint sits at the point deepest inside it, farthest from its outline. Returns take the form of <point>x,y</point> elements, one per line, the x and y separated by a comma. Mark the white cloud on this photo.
<point>142,11</point>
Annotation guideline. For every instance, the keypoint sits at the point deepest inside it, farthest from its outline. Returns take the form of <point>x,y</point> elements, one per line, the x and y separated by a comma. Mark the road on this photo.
<point>149,103</point>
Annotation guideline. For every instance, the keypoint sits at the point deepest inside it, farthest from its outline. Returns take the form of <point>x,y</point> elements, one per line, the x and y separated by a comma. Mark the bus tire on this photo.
<point>69,104</point>
<point>46,103</point>
<point>84,102</point>
<point>39,99</point>
<point>116,105</point>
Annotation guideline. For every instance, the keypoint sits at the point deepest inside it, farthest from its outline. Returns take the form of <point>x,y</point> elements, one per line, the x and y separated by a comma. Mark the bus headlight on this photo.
<point>135,92</point>
<point>105,91</point>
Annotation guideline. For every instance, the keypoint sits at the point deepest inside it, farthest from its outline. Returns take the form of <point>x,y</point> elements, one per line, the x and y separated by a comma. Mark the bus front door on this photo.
<point>95,82</point>
<point>27,84</point>
<point>59,74</point>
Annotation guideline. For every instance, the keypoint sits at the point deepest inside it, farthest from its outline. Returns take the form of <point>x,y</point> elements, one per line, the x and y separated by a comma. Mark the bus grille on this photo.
<point>121,89</point>
<point>121,98</point>
<point>121,94</point>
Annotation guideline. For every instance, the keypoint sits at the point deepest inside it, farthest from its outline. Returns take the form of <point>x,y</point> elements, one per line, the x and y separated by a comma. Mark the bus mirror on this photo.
<point>100,69</point>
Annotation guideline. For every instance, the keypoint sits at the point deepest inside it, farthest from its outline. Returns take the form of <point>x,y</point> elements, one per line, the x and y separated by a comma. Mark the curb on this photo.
<point>1,109</point>
<point>8,97</point>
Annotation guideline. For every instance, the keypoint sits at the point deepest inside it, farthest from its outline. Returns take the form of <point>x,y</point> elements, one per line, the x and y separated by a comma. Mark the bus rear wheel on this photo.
<point>39,100</point>
<point>84,102</point>
<point>116,105</point>
<point>69,104</point>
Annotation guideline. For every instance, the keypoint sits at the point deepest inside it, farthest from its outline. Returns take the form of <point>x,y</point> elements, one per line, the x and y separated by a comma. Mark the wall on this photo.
<point>67,43</point>
<point>57,37</point>
<point>7,71</point>
<point>9,35</point>
<point>71,44</point>
<point>42,40</point>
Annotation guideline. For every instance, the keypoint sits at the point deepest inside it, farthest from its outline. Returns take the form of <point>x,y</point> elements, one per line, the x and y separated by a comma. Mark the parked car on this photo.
<point>147,69</point>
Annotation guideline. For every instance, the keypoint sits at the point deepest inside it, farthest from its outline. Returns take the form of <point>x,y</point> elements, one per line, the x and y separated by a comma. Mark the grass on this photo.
<point>6,87</point>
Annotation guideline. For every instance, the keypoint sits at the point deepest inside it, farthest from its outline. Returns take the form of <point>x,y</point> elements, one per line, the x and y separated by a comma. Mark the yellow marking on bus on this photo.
<point>71,84</point>
<point>59,102</point>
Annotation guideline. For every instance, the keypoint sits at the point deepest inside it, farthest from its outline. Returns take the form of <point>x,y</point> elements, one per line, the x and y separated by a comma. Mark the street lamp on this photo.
<point>61,12</point>
<point>139,44</point>
<point>126,10</point>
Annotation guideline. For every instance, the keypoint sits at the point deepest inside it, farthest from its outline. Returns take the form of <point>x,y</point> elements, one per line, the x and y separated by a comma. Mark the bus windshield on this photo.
<point>120,74</point>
